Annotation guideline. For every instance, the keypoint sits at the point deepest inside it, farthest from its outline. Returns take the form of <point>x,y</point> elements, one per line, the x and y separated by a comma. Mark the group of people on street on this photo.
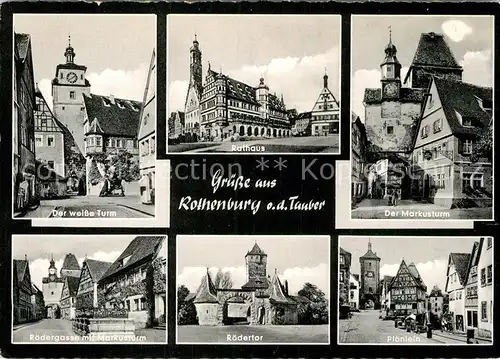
<point>393,196</point>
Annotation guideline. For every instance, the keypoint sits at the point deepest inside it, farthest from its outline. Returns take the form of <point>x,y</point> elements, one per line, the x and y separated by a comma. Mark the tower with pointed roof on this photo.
<point>70,267</point>
<point>256,268</point>
<point>391,71</point>
<point>325,113</point>
<point>432,58</point>
<point>369,278</point>
<point>68,87</point>
<point>195,89</point>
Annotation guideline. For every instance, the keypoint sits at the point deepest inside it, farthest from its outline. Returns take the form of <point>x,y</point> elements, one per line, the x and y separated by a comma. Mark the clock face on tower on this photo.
<point>71,77</point>
<point>391,89</point>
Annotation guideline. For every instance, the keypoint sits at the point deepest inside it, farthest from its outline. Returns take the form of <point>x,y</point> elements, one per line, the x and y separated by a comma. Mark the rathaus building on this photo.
<point>223,107</point>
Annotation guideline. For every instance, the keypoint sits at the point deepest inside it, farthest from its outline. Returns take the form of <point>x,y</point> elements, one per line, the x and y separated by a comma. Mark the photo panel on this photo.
<point>84,118</point>
<point>229,293</point>
<point>89,289</point>
<point>415,290</point>
<point>421,126</point>
<point>246,84</point>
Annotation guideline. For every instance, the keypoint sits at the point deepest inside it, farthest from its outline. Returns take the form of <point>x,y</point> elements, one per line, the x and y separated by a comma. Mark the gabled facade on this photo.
<point>49,136</point>
<point>325,113</point>
<point>408,291</point>
<point>455,287</point>
<point>23,290</point>
<point>123,286</point>
<point>110,125</point>
<point>385,295</point>
<point>92,272</point>
<point>23,129</point>
<point>485,288</point>
<point>68,297</point>
<point>176,123</point>
<point>455,115</point>
<point>147,136</point>
<point>302,124</point>
<point>470,302</point>
<point>38,303</point>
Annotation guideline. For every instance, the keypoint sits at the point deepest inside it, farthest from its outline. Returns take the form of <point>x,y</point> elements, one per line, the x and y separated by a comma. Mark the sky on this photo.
<point>116,49</point>
<point>298,259</point>
<point>469,38</point>
<point>290,52</point>
<point>39,249</point>
<point>430,254</point>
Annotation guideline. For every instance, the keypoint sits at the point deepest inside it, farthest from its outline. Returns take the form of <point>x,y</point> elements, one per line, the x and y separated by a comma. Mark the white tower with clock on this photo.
<point>68,88</point>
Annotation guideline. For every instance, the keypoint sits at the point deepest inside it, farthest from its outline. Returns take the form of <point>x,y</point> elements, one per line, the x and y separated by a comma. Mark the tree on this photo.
<point>315,311</point>
<point>223,280</point>
<point>186,310</point>
<point>483,147</point>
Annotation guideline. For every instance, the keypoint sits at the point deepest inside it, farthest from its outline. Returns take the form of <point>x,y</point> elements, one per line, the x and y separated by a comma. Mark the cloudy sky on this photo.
<point>430,254</point>
<point>116,49</point>
<point>291,52</point>
<point>470,39</point>
<point>39,249</point>
<point>297,259</point>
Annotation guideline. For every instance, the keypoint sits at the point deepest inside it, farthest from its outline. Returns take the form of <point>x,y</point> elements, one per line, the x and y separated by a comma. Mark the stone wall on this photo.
<point>208,313</point>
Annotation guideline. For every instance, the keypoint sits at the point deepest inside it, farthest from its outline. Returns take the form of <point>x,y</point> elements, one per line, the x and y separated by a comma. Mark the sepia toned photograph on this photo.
<point>258,290</point>
<point>84,118</point>
<point>89,289</point>
<point>415,290</point>
<point>421,126</point>
<point>253,83</point>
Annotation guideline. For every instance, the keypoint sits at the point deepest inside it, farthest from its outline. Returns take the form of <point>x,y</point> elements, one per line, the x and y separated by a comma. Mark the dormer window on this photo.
<point>466,121</point>
<point>106,102</point>
<point>120,105</point>
<point>124,260</point>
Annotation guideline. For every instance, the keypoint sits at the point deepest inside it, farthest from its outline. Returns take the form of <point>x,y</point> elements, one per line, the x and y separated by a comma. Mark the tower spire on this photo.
<point>369,244</point>
<point>390,34</point>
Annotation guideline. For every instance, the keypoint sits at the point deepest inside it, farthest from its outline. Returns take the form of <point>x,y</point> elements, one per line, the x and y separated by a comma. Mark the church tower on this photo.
<point>391,72</point>
<point>195,89</point>
<point>369,278</point>
<point>256,268</point>
<point>68,88</point>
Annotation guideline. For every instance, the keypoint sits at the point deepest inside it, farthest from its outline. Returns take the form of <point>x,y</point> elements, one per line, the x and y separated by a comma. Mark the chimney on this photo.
<point>286,287</point>
<point>112,99</point>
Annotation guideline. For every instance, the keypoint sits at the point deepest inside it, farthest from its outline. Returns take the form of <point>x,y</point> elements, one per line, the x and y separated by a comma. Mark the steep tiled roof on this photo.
<point>304,115</point>
<point>275,103</point>
<point>206,292</point>
<point>414,272</point>
<point>70,262</point>
<point>20,266</point>
<point>116,117</point>
<point>374,95</point>
<point>22,45</point>
<point>432,50</point>
<point>461,261</point>
<point>139,250</point>
<point>97,268</point>
<point>237,89</point>
<point>276,292</point>
<point>253,283</point>
<point>369,255</point>
<point>461,97</point>
<point>73,283</point>
<point>256,250</point>
<point>436,292</point>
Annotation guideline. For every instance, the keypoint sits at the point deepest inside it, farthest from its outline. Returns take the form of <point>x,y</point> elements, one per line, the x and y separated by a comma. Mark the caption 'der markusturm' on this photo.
<point>422,128</point>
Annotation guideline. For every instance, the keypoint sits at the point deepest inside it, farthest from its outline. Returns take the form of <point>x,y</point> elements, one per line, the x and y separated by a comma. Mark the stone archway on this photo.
<point>274,132</point>
<point>242,130</point>
<point>249,131</point>
<point>269,132</point>
<point>256,131</point>
<point>262,131</point>
<point>241,301</point>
